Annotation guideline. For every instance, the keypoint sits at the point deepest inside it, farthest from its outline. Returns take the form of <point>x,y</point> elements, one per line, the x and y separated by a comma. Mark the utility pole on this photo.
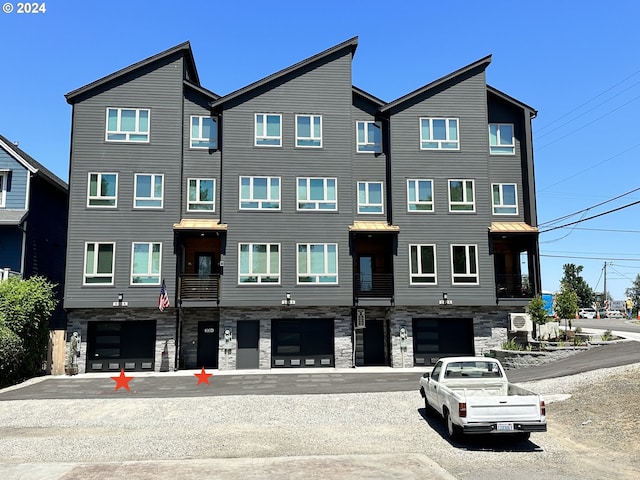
<point>606,300</point>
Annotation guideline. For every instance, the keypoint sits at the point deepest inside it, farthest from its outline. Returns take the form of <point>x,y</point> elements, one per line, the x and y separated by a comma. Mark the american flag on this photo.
<point>163,299</point>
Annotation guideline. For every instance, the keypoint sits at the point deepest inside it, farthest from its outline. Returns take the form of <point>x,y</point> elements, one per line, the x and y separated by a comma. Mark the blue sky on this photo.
<point>577,63</point>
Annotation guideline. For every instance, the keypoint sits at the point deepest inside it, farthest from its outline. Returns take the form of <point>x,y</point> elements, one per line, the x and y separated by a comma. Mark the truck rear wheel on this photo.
<point>452,429</point>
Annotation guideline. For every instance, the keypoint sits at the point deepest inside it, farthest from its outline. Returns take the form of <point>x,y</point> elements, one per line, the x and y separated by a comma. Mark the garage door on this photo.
<point>302,343</point>
<point>435,338</point>
<point>112,346</point>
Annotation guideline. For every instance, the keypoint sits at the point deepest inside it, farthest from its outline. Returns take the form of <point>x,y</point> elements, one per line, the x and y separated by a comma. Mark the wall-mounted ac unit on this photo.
<point>520,322</point>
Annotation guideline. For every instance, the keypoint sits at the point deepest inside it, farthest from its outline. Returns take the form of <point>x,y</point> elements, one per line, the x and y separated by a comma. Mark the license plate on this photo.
<point>505,427</point>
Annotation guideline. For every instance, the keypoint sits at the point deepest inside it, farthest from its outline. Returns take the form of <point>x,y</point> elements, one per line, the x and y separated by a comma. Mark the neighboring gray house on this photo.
<point>298,221</point>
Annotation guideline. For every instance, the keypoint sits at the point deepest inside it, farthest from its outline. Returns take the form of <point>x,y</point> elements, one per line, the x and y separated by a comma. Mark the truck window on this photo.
<point>435,373</point>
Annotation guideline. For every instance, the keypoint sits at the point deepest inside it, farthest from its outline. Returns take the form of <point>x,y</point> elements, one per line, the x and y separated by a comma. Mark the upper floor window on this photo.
<point>369,137</point>
<point>318,263</point>
<point>201,194</point>
<point>268,130</point>
<point>98,263</point>
<point>370,197</point>
<point>128,124</point>
<point>145,263</point>
<point>505,199</point>
<point>308,131</point>
<point>423,264</point>
<point>439,134</point>
<point>262,193</point>
<point>204,132</point>
<point>317,194</point>
<point>259,263</point>
<point>148,191</point>
<point>420,195</point>
<point>461,196</point>
<point>3,189</point>
<point>501,141</point>
<point>103,190</point>
<point>464,264</point>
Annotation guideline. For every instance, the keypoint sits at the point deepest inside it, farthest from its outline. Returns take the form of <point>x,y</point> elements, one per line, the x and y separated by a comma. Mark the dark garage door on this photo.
<point>435,338</point>
<point>302,343</point>
<point>112,346</point>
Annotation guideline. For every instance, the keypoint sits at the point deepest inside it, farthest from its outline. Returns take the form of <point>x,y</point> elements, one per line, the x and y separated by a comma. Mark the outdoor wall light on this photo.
<point>445,299</point>
<point>120,297</point>
<point>120,302</point>
<point>288,300</point>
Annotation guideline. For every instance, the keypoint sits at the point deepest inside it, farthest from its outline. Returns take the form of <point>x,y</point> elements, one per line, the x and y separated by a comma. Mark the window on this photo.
<point>439,134</point>
<point>369,138</point>
<point>262,193</point>
<point>204,132</point>
<point>148,191</point>
<point>145,263</point>
<point>501,140</point>
<point>103,190</point>
<point>3,189</point>
<point>505,200</point>
<point>370,197</point>
<point>464,264</point>
<point>461,197</point>
<point>98,263</point>
<point>308,131</point>
<point>201,195</point>
<point>318,263</point>
<point>128,124</point>
<point>423,264</point>
<point>317,194</point>
<point>268,130</point>
<point>259,263</point>
<point>420,195</point>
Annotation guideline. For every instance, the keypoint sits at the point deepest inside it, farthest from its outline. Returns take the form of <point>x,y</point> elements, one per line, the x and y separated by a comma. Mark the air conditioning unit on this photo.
<point>520,322</point>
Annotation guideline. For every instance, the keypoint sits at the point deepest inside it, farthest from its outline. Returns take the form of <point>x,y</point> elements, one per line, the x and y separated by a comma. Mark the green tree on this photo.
<point>574,281</point>
<point>537,311</point>
<point>566,302</point>
<point>634,293</point>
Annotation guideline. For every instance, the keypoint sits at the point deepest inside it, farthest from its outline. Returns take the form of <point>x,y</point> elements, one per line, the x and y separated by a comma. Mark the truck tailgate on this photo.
<point>492,409</point>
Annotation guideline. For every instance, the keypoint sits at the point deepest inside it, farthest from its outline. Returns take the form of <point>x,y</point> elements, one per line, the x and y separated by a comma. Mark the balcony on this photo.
<point>199,287</point>
<point>373,286</point>
<point>513,286</point>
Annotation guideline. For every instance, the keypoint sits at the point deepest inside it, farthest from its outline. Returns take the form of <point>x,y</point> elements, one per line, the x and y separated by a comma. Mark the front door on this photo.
<point>374,343</point>
<point>208,334</point>
<point>248,348</point>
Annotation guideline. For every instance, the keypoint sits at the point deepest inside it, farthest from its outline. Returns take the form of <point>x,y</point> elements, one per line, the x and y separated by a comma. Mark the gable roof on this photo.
<point>200,89</point>
<point>532,111</point>
<point>367,96</point>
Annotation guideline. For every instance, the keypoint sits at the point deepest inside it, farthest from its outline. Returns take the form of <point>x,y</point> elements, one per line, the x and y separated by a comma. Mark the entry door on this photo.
<point>248,340</point>
<point>208,335</point>
<point>374,343</point>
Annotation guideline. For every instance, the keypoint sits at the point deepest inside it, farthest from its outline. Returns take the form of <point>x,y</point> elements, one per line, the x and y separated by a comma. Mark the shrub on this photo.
<point>11,354</point>
<point>511,345</point>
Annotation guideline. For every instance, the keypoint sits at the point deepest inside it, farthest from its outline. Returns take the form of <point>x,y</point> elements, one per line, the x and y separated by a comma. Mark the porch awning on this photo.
<point>511,227</point>
<point>12,217</point>
<point>200,224</point>
<point>373,227</point>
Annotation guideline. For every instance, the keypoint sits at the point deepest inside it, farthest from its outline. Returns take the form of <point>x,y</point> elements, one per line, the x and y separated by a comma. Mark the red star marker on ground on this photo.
<point>203,377</point>
<point>122,380</point>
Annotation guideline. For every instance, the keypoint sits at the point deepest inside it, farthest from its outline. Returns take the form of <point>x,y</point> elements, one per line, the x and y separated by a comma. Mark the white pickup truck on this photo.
<point>473,395</point>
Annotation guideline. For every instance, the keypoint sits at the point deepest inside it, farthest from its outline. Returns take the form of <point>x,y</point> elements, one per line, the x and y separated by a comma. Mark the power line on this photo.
<point>591,218</point>
<point>592,258</point>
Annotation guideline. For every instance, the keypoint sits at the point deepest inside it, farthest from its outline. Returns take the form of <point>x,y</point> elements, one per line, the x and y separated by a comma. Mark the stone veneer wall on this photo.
<point>190,317</point>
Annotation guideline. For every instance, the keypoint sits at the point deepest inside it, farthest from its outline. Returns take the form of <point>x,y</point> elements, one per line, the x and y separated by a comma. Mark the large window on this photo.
<point>505,199</point>
<point>259,263</point>
<point>318,263</point>
<point>439,134</point>
<point>461,196</point>
<point>103,190</point>
<point>268,130</point>
<point>98,263</point>
<point>128,124</point>
<point>204,132</point>
<point>260,193</point>
<point>423,264</point>
<point>464,264</point>
<point>501,140</point>
<point>317,194</point>
<point>201,195</point>
<point>370,197</point>
<point>308,131</point>
<point>145,263</point>
<point>420,195</point>
<point>148,190</point>
<point>369,138</point>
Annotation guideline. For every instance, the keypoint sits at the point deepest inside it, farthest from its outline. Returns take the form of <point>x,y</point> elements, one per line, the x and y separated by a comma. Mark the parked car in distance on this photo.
<point>587,312</point>
<point>614,314</point>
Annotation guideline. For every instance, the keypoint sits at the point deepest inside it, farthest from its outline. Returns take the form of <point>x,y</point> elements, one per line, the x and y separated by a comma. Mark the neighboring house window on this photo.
<point>501,140</point>
<point>439,134</point>
<point>318,263</point>
<point>145,263</point>
<point>128,124</point>
<point>370,197</point>
<point>420,195</point>
<point>308,131</point>
<point>268,130</point>
<point>461,196</point>
<point>259,263</point>
<point>317,194</point>
<point>3,188</point>
<point>148,191</point>
<point>505,199</point>
<point>204,132</point>
<point>103,190</point>
<point>423,264</point>
<point>201,194</point>
<point>369,138</point>
<point>98,263</point>
<point>464,263</point>
<point>262,193</point>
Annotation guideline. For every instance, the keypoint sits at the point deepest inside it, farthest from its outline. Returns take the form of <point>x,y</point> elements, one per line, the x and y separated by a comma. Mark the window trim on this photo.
<point>136,198</point>
<point>264,135</point>
<point>260,201</point>
<point>418,202</point>
<point>467,273</point>
<point>512,145</point>
<point>94,273</point>
<point>198,180</point>
<point>4,178</point>
<point>147,274</point>
<point>318,276</point>
<point>260,276</point>
<point>359,145</point>
<point>501,194</point>
<point>312,138</point>
<point>465,201</point>
<point>100,197</point>
<point>439,142</point>
<point>128,135</point>
<point>201,138</point>
<point>367,203</point>
<point>421,274</point>
<point>317,203</point>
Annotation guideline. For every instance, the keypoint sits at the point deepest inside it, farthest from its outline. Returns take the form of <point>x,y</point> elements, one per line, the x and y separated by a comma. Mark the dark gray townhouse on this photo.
<point>298,221</point>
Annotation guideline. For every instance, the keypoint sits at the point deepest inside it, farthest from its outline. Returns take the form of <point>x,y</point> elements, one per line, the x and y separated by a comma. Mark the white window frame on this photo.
<point>311,137</point>
<point>429,206</point>
<point>4,175</point>
<point>261,202</point>
<point>442,144</point>
<point>501,205</point>
<point>304,271</point>
<point>462,278</point>
<point>94,270</point>
<point>153,197</point>
<point>499,148</point>
<point>368,146</point>
<point>198,201</point>
<point>430,277</point>
<point>212,143</point>
<point>263,136</point>
<point>99,197</point>
<point>149,273</point>
<point>128,134</point>
<point>367,203</point>
<point>261,278</point>
<point>466,202</point>
<point>324,205</point>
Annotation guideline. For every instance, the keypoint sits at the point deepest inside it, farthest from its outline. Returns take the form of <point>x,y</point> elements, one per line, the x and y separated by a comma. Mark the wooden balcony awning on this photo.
<point>379,227</point>
<point>511,227</point>
<point>200,224</point>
